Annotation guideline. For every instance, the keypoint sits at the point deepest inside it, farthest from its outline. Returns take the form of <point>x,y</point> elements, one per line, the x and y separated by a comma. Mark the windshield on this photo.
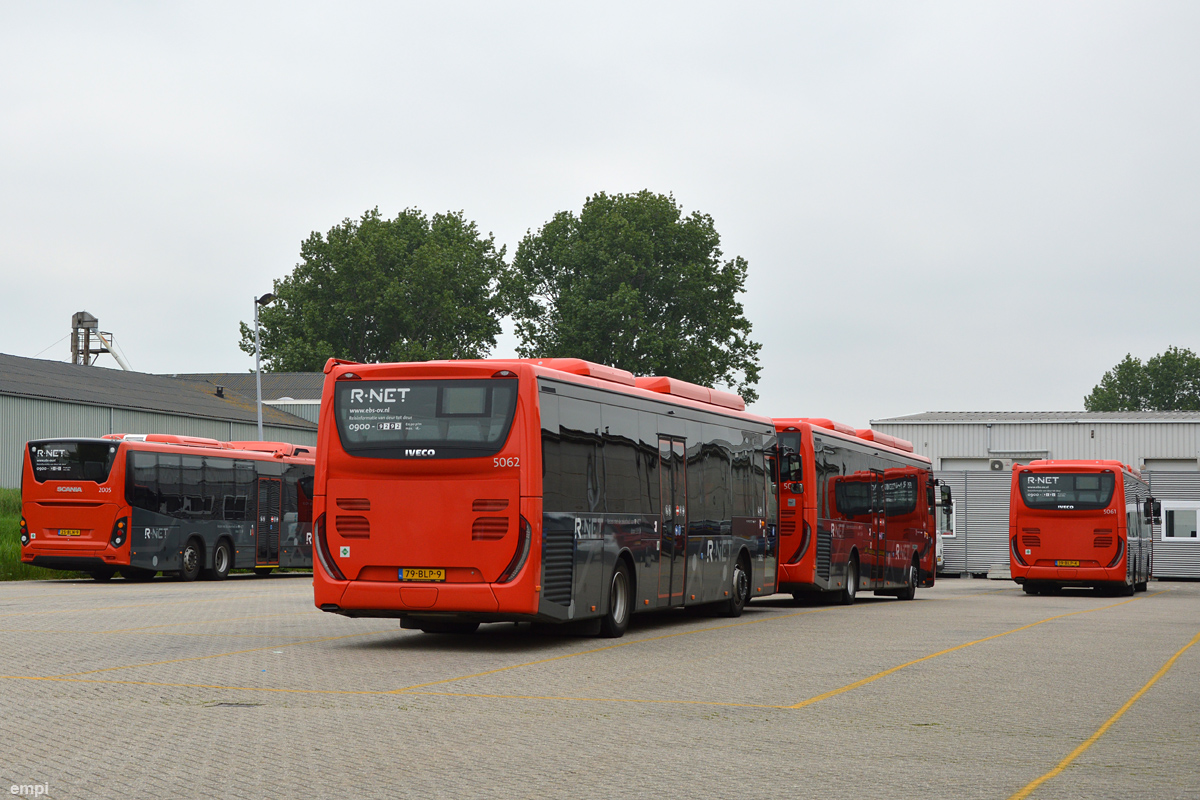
<point>791,468</point>
<point>425,418</point>
<point>72,461</point>
<point>1067,491</point>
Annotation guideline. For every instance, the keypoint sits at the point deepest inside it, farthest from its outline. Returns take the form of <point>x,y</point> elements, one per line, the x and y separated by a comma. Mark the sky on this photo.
<point>945,206</point>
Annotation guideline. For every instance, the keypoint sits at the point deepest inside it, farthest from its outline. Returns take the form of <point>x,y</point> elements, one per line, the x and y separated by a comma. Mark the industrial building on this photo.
<point>973,452</point>
<point>42,399</point>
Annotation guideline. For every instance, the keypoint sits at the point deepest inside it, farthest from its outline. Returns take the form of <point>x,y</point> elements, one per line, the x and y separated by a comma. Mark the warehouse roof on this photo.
<point>275,385</point>
<point>982,417</point>
<point>99,386</point>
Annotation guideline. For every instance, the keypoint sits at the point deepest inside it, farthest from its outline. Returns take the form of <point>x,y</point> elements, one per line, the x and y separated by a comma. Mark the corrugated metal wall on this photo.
<point>23,419</point>
<point>308,410</point>
<point>981,521</point>
<point>1175,559</point>
<point>1130,443</point>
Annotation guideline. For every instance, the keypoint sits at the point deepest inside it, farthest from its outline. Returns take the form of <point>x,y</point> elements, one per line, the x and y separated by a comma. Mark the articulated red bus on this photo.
<point>182,505</point>
<point>857,510</point>
<point>1080,523</point>
<point>556,490</point>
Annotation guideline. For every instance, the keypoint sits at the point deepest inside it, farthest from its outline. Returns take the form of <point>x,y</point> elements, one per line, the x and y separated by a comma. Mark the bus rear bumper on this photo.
<point>394,599</point>
<point>1072,576</point>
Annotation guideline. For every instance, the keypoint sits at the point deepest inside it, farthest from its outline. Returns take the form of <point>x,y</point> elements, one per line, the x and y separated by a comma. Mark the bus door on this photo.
<point>270,496</point>
<point>673,531</point>
<point>879,545</point>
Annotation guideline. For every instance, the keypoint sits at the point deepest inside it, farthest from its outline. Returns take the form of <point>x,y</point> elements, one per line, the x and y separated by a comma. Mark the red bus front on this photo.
<point>73,515</point>
<point>1069,525</point>
<point>427,483</point>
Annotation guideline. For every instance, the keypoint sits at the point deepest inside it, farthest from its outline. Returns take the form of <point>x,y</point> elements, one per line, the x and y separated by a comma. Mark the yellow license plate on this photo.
<point>1066,563</point>
<point>69,532</point>
<point>408,574</point>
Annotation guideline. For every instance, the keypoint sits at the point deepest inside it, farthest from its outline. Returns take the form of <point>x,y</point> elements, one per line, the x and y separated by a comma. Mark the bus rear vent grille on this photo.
<point>787,527</point>
<point>824,548</point>
<point>1104,541</point>
<point>489,529</point>
<point>354,504</point>
<point>489,505</point>
<point>352,527</point>
<point>558,565</point>
<point>1031,540</point>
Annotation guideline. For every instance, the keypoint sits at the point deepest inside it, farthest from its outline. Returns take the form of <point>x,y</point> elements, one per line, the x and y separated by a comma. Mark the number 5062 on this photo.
<point>509,461</point>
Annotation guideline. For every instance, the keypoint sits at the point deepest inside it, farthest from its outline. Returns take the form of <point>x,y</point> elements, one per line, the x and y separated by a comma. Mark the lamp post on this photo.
<point>259,301</point>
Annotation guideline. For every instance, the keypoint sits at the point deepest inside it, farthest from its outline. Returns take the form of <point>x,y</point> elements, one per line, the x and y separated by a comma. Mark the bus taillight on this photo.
<point>1120,552</point>
<point>1017,553</point>
<point>525,534</point>
<point>120,533</point>
<point>24,532</point>
<point>322,550</point>
<point>803,548</point>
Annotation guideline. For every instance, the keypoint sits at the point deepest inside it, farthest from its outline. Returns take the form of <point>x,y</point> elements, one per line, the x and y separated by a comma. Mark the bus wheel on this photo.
<point>1141,587</point>
<point>263,572</point>
<point>736,603</point>
<point>221,562</point>
<point>1126,590</point>
<point>191,559</point>
<point>1031,588</point>
<point>102,575</point>
<point>848,593</point>
<point>614,623</point>
<point>910,588</point>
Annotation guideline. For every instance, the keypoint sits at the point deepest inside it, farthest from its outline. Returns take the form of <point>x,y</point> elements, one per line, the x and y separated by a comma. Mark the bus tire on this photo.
<point>190,560</point>
<point>740,596</point>
<point>1126,590</point>
<point>910,587</point>
<point>222,561</point>
<point>850,590</point>
<point>102,575</point>
<point>263,572</point>
<point>1032,588</point>
<point>616,619</point>
<point>1141,587</point>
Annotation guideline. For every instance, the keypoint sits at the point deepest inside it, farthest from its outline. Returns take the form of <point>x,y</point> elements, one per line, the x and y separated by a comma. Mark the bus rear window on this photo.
<point>425,418</point>
<point>1067,491</point>
<point>71,461</point>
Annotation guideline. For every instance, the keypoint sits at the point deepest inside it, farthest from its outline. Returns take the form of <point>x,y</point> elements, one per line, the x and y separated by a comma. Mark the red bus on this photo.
<point>1080,523</point>
<point>857,511</point>
<point>182,505</point>
<point>555,490</point>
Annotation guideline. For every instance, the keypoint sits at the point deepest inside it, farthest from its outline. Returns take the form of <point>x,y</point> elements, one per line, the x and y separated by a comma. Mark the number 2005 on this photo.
<point>510,461</point>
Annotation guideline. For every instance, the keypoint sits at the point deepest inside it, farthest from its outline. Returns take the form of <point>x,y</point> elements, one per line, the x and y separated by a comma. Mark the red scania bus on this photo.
<point>1080,523</point>
<point>556,490</point>
<point>857,510</point>
<point>182,505</point>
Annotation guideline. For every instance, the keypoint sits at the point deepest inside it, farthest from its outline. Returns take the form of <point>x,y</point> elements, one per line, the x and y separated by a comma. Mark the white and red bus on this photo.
<point>857,511</point>
<point>555,490</point>
<point>182,505</point>
<point>1080,523</point>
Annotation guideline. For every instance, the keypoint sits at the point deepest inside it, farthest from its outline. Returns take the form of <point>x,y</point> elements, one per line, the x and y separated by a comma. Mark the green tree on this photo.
<point>1123,388</point>
<point>1169,381</point>
<point>633,283</point>
<point>408,289</point>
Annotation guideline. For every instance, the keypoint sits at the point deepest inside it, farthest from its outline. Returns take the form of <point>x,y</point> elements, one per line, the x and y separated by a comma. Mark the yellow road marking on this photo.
<point>886,672</point>
<point>274,689</point>
<point>1091,740</point>
<point>133,605</point>
<point>152,628</point>
<point>659,701</point>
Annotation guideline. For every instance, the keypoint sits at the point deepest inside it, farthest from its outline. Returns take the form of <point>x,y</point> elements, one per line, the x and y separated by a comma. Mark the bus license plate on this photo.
<point>69,532</point>
<point>1066,563</point>
<point>409,574</point>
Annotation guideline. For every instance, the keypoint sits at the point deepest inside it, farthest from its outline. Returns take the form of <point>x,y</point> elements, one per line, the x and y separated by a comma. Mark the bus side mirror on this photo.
<point>1152,510</point>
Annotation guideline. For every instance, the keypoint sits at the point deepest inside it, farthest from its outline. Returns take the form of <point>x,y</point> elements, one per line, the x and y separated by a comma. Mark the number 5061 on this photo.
<point>509,461</point>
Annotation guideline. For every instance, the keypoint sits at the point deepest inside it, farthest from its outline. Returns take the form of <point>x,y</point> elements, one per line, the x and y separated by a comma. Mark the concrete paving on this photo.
<point>242,689</point>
